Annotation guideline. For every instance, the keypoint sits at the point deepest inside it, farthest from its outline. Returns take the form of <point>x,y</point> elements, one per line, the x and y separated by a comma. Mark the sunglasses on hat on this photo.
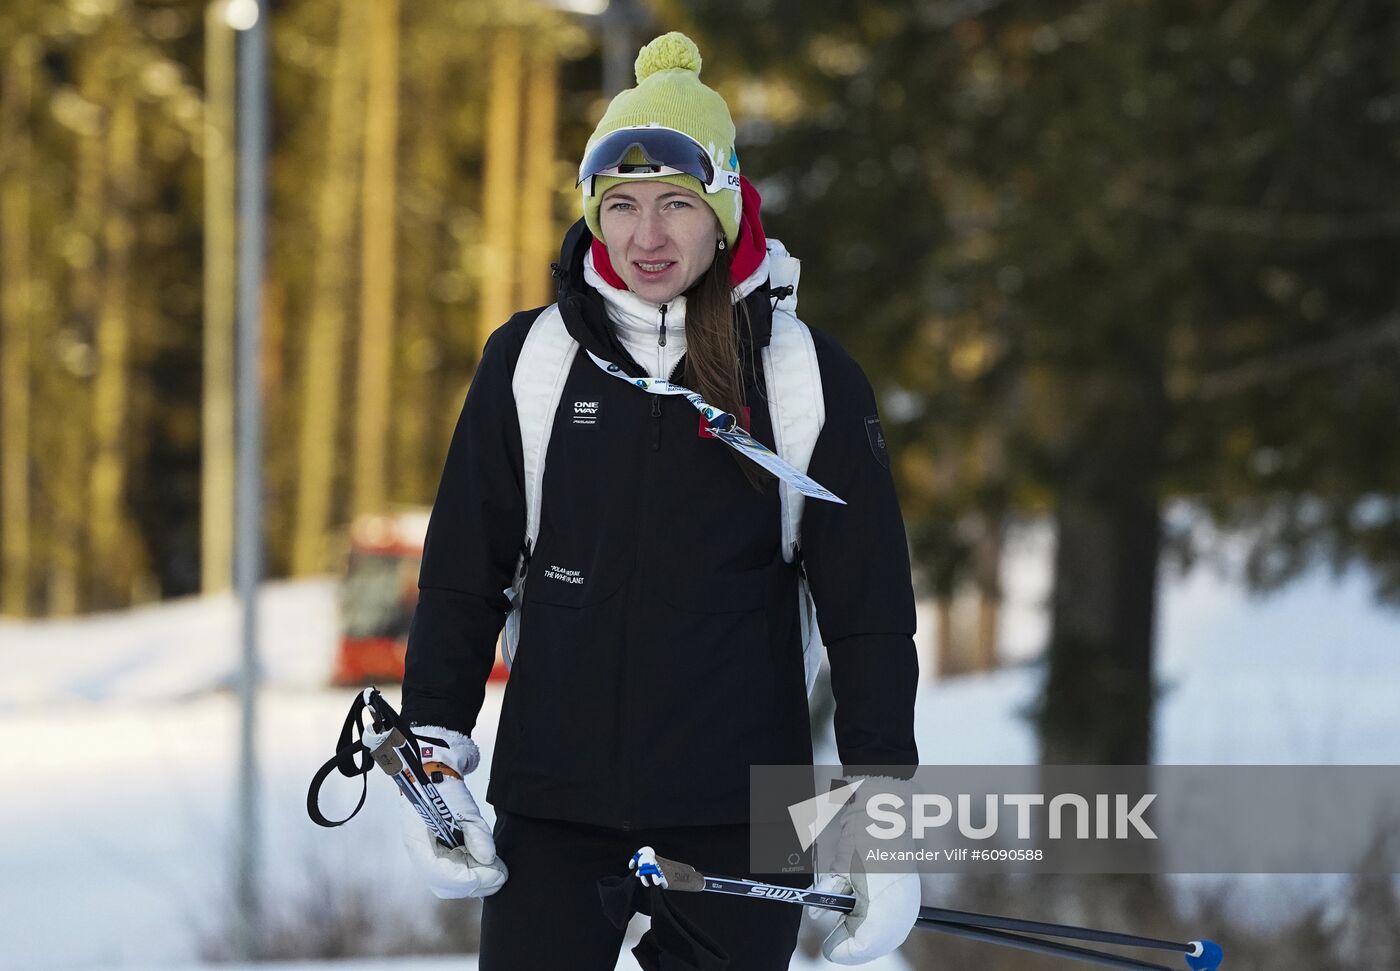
<point>667,152</point>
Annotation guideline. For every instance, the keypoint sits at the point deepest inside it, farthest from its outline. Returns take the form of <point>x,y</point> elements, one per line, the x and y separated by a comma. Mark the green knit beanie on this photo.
<point>669,93</point>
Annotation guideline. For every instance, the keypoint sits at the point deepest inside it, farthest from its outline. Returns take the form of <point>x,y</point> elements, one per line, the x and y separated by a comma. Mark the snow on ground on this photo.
<point>168,651</point>
<point>118,742</point>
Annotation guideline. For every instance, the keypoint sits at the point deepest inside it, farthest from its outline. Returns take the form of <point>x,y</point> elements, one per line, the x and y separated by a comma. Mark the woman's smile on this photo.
<point>661,237</point>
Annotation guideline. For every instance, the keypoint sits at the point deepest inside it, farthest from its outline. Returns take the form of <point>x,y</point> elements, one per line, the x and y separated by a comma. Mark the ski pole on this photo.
<point>394,748</point>
<point>1202,955</point>
<point>392,751</point>
<point>1038,946</point>
<point>1044,929</point>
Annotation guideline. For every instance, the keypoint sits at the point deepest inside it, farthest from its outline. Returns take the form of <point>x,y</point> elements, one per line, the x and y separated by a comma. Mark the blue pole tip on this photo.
<point>1204,956</point>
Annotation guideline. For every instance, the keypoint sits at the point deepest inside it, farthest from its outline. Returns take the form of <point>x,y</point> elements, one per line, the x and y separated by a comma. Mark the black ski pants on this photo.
<point>549,916</point>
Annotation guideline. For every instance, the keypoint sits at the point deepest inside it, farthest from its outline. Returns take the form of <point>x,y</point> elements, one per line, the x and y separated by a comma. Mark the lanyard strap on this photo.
<point>727,429</point>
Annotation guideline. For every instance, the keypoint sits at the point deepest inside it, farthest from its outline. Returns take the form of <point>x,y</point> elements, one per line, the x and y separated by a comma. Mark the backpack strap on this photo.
<point>798,410</point>
<point>538,384</point>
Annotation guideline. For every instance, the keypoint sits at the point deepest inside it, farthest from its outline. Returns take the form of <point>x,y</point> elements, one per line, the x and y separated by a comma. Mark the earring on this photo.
<point>721,242</point>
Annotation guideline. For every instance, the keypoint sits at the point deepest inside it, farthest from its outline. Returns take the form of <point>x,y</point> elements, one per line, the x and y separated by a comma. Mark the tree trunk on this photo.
<point>539,242</point>
<point>323,353</point>
<point>497,258</point>
<point>217,444</point>
<point>429,249</point>
<point>987,576</point>
<point>113,543</point>
<point>68,390</point>
<point>945,639</point>
<point>377,278</point>
<point>1098,700</point>
<point>16,344</point>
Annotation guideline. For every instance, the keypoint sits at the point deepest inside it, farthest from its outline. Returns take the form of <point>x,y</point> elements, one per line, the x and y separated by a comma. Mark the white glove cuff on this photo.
<point>460,753</point>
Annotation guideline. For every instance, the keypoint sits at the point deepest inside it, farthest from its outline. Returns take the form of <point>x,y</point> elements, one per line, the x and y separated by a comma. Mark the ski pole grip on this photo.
<point>681,876</point>
<point>386,754</point>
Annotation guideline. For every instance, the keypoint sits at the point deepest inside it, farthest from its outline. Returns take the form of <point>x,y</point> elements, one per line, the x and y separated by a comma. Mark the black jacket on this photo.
<point>659,652</point>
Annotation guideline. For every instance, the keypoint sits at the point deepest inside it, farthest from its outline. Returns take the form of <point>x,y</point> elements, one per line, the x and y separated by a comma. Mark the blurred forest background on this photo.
<point>1102,259</point>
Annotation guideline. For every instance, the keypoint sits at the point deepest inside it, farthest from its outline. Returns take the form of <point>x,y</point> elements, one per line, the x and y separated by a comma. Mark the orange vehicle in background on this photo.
<point>378,592</point>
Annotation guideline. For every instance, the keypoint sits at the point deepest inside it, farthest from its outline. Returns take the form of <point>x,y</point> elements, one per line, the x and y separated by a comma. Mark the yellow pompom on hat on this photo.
<point>669,93</point>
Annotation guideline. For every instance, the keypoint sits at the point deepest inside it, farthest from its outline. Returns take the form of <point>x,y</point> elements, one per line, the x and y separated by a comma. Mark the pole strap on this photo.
<point>351,759</point>
<point>396,749</point>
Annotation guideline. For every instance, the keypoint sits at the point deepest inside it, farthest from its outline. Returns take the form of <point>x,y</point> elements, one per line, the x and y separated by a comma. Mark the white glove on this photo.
<point>887,904</point>
<point>472,870</point>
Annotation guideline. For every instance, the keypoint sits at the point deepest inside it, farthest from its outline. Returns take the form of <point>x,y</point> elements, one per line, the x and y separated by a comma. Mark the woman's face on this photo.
<point>661,237</point>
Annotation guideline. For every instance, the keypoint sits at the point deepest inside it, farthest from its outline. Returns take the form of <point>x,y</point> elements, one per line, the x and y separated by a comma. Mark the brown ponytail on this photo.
<point>713,365</point>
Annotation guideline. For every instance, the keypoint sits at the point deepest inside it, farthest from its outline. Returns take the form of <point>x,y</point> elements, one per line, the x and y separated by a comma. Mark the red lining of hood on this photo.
<point>749,249</point>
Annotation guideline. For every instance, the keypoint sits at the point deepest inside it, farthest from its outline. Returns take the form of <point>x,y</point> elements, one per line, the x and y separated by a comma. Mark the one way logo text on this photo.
<point>585,413</point>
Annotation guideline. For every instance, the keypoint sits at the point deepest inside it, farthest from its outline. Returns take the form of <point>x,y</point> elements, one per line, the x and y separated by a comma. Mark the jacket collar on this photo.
<point>630,314</point>
<point>635,316</point>
<point>592,309</point>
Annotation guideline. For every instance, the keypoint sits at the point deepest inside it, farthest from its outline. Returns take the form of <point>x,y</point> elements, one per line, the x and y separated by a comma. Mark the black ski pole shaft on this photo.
<point>1045,929</point>
<point>1037,946</point>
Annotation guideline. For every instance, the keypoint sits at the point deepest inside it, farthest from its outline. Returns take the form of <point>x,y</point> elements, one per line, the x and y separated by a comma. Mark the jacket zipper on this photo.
<point>660,373</point>
<point>629,762</point>
<point>656,408</point>
<point>661,343</point>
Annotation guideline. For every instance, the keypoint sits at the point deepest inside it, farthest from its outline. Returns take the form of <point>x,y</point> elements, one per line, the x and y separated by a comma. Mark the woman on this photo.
<point>660,648</point>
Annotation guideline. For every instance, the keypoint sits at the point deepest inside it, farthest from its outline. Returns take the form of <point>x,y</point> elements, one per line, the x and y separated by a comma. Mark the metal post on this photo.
<point>621,21</point>
<point>250,18</point>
